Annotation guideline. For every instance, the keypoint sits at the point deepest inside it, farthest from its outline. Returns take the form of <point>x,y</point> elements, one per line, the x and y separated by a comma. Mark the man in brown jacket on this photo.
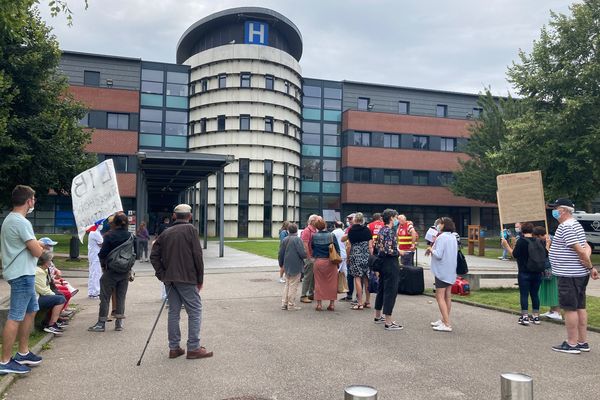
<point>177,259</point>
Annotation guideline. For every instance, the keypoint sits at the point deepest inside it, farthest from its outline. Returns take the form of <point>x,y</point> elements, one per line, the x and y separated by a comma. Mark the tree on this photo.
<point>557,127</point>
<point>40,140</point>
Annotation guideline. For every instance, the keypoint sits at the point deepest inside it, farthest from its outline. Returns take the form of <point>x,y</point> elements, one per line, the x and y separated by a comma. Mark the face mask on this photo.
<point>30,210</point>
<point>517,230</point>
<point>396,223</point>
<point>556,214</point>
<point>438,228</point>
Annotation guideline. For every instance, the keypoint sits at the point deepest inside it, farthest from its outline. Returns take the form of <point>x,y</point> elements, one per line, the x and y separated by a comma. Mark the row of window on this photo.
<point>441,110</point>
<point>401,141</point>
<point>151,121</point>
<point>312,168</point>
<point>245,82</point>
<point>108,120</point>
<point>397,177</point>
<point>244,124</point>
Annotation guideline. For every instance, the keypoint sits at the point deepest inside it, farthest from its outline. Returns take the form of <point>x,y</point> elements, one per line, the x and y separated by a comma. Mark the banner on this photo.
<point>95,195</point>
<point>521,197</point>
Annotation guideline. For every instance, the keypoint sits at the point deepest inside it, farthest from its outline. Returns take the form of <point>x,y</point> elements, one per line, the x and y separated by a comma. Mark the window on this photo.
<point>85,121</point>
<point>312,91</point>
<point>446,178</point>
<point>203,125</point>
<point>286,127</point>
<point>150,127</point>
<point>176,123</point>
<point>441,111</point>
<point>420,178</point>
<point>204,85</point>
<point>176,89</point>
<point>269,82</point>
<point>179,117</point>
<point>391,141</point>
<point>403,107</point>
<point>244,122</point>
<point>311,139</point>
<point>151,121</point>
<point>362,139</point>
<point>332,104</point>
<point>313,102</point>
<point>222,81</point>
<point>331,129</point>
<point>91,78</point>
<point>193,88</point>
<point>331,170</point>
<point>120,162</point>
<point>329,140</point>
<point>363,103</point>
<point>152,75</point>
<point>220,123</point>
<point>332,93</point>
<point>420,142</point>
<point>117,121</point>
<point>245,79</point>
<point>311,169</point>
<point>477,112</point>
<point>311,127</point>
<point>177,77</point>
<point>152,87</point>
<point>391,177</point>
<point>287,87</point>
<point>268,124</point>
<point>448,144</point>
<point>362,175</point>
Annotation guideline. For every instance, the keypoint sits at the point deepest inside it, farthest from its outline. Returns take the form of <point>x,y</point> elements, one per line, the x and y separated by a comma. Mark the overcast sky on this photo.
<point>457,45</point>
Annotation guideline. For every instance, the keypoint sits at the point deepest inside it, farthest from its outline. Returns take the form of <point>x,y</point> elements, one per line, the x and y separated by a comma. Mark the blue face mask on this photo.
<point>396,223</point>
<point>556,214</point>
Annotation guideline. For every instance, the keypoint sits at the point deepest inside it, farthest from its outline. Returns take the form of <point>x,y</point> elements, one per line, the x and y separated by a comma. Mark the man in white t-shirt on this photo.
<point>571,263</point>
<point>20,251</point>
<point>95,270</point>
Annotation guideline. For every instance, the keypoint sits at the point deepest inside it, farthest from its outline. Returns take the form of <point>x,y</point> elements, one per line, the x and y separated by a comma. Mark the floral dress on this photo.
<point>358,260</point>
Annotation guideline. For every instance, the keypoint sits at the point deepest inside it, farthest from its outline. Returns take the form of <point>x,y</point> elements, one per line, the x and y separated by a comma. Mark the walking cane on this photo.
<point>154,326</point>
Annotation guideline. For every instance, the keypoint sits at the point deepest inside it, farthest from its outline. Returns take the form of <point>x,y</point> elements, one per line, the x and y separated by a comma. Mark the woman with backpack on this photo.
<point>530,254</point>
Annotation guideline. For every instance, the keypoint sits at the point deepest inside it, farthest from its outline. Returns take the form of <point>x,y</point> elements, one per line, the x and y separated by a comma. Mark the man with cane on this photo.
<point>177,259</point>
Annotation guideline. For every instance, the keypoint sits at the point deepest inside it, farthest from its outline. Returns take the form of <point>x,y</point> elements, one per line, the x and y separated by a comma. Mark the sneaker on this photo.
<point>346,299</point>
<point>442,328</point>
<point>294,308</point>
<point>305,299</point>
<point>54,329</point>
<point>33,359</point>
<point>554,315</point>
<point>66,314</point>
<point>394,326</point>
<point>13,367</point>
<point>437,323</point>
<point>585,347</point>
<point>62,325</point>
<point>284,307</point>
<point>99,327</point>
<point>524,320</point>
<point>281,280</point>
<point>536,320</point>
<point>379,320</point>
<point>567,348</point>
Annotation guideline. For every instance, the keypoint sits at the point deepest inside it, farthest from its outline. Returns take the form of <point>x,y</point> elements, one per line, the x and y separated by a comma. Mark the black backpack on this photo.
<point>122,257</point>
<point>461,264</point>
<point>536,261</point>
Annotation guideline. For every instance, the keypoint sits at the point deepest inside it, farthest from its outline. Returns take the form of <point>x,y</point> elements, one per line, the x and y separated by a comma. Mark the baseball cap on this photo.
<point>350,216</point>
<point>562,202</point>
<point>183,209</point>
<point>48,242</point>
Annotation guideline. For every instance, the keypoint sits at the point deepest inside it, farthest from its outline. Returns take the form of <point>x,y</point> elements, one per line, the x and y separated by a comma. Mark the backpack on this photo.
<point>536,262</point>
<point>122,257</point>
<point>461,264</point>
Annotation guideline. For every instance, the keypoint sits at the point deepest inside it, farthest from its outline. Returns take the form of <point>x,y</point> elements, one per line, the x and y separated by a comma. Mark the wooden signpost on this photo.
<point>521,198</point>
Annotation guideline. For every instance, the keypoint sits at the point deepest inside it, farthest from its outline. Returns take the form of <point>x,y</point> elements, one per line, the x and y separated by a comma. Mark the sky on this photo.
<point>458,45</point>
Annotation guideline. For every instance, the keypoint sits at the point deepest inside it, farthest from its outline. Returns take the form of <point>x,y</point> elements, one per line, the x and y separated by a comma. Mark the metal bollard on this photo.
<point>515,386</point>
<point>360,392</point>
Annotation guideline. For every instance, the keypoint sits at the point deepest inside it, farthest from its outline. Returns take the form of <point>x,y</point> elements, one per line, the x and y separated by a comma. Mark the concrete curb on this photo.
<point>7,380</point>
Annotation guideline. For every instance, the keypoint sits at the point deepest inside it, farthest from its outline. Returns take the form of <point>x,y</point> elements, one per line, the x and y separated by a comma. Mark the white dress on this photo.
<point>94,244</point>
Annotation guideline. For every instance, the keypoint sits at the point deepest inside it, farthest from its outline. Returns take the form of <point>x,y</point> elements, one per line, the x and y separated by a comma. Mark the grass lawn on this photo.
<point>64,241</point>
<point>267,249</point>
<point>508,298</point>
<point>66,264</point>
<point>34,338</point>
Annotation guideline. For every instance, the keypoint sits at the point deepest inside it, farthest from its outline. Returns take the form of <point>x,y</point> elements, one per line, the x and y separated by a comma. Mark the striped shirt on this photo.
<point>564,260</point>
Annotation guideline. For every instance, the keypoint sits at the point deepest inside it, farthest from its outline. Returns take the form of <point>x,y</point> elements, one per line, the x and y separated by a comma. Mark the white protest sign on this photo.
<point>95,195</point>
<point>521,197</point>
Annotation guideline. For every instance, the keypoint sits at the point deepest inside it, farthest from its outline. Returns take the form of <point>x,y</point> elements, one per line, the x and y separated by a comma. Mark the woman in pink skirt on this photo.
<point>325,272</point>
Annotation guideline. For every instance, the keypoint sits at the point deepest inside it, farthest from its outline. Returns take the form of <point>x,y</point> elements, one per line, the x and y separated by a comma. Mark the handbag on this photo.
<point>342,283</point>
<point>461,264</point>
<point>334,257</point>
<point>375,263</point>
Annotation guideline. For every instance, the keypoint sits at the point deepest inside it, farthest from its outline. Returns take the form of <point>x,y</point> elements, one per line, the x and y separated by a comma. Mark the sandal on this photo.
<point>357,307</point>
<point>330,308</point>
<point>367,305</point>
<point>319,308</point>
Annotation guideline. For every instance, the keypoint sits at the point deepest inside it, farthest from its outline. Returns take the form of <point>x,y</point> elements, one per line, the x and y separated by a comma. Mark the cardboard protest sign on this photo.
<point>521,197</point>
<point>95,195</point>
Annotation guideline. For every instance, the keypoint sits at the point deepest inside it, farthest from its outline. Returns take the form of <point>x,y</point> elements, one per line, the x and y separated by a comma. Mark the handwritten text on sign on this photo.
<point>521,197</point>
<point>95,195</point>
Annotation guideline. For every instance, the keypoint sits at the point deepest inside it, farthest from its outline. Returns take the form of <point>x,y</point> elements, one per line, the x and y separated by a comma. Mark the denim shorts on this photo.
<point>23,299</point>
<point>49,301</point>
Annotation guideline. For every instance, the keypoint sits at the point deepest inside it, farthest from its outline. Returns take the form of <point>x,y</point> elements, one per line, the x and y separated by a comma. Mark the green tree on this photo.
<point>40,140</point>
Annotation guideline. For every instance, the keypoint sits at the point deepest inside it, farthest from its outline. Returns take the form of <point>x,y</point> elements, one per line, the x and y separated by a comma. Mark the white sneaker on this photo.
<point>281,280</point>
<point>554,315</point>
<point>442,328</point>
<point>437,323</point>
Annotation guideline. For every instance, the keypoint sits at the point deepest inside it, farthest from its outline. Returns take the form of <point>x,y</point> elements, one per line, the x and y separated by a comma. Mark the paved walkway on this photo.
<point>263,352</point>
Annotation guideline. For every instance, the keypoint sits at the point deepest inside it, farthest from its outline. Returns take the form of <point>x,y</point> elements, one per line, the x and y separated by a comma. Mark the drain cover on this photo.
<point>254,280</point>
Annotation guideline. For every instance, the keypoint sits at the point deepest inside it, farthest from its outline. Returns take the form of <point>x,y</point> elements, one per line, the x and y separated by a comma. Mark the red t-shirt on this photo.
<point>374,227</point>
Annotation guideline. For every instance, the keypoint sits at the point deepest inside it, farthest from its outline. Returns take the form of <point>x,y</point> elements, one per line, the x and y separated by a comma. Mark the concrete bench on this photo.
<point>474,278</point>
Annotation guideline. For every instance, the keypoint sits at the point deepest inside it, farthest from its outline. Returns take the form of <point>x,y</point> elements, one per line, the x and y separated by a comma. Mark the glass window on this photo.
<point>269,124</point>
<point>220,123</point>
<point>310,201</point>
<point>308,150</point>
<point>329,140</point>
<point>177,102</point>
<point>152,87</point>
<point>120,162</point>
<point>363,103</point>
<point>175,129</point>
<point>331,129</point>
<point>332,104</point>
<point>286,127</point>
<point>204,85</point>
<point>311,139</point>
<point>311,113</point>
<point>446,178</point>
<point>192,88</point>
<point>312,91</point>
<point>150,140</point>
<point>85,121</point>
<point>148,114</point>
<point>477,112</point>
<point>331,170</point>
<point>362,139</point>
<point>176,116</point>
<point>331,187</point>
<point>245,79</point>
<point>222,81</point>
<point>311,169</point>
<point>420,178</point>
<point>244,122</point>
<point>391,177</point>
<point>152,75</point>
<point>314,102</point>
<point>331,202</point>
<point>155,100</point>
<point>441,110</point>
<point>448,144</point>
<point>311,127</point>
<point>331,151</point>
<point>335,116</point>
<point>420,142</point>
<point>331,176</point>
<point>177,77</point>
<point>269,82</point>
<point>174,89</point>
<point>332,93</point>
<point>91,78</point>
<point>176,141</point>
<point>150,127</point>
<point>391,141</point>
<point>362,175</point>
<point>311,187</point>
<point>287,87</point>
<point>203,125</point>
<point>117,121</point>
<point>403,107</point>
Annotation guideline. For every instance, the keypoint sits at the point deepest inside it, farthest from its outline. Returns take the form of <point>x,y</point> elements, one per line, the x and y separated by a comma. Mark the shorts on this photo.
<point>23,299</point>
<point>571,292</point>
<point>49,301</point>
<point>441,284</point>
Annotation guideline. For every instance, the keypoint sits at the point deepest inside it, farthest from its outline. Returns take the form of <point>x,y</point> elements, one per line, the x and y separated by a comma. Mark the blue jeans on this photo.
<point>23,299</point>
<point>529,286</point>
<point>188,295</point>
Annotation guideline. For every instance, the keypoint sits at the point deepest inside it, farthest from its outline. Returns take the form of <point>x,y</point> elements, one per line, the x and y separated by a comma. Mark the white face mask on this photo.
<point>30,210</point>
